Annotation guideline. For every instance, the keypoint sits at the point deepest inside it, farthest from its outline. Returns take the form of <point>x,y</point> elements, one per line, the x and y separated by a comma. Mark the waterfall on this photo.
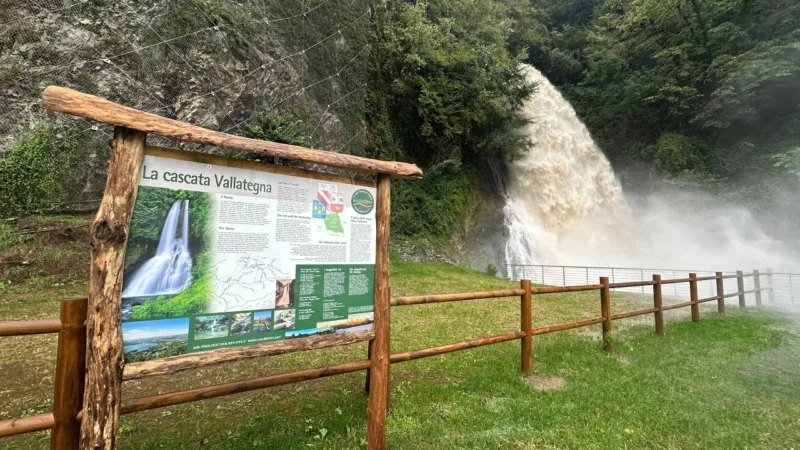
<point>560,183</point>
<point>170,271</point>
<point>564,205</point>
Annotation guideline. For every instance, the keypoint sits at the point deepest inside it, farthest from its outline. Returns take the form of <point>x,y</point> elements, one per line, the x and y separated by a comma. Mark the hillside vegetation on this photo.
<point>694,92</point>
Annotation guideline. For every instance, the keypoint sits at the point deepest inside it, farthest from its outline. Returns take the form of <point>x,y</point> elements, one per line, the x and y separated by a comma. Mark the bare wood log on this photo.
<point>677,306</point>
<point>693,297</point>
<point>461,296</point>
<point>567,326</point>
<point>563,289</point>
<point>13,427</point>
<point>70,375</point>
<point>638,312</point>
<point>369,356</point>
<point>740,287</point>
<point>219,390</point>
<point>757,286</point>
<point>630,284</point>
<point>605,309</point>
<point>108,235</point>
<point>720,293</point>
<point>189,361</point>
<point>658,304</point>
<point>526,322</point>
<point>25,327</point>
<point>381,350</point>
<point>708,278</point>
<point>433,351</point>
<point>676,281</point>
<point>70,101</point>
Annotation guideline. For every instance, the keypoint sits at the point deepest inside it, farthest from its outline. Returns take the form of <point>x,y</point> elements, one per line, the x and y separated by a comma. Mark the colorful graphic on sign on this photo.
<point>220,256</point>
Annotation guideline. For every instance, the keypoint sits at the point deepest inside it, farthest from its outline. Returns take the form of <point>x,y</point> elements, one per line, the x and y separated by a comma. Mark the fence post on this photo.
<point>605,310</point>
<point>693,297</point>
<point>771,294</point>
<point>527,327</point>
<point>657,303</point>
<point>378,402</point>
<point>720,294</point>
<point>757,286</point>
<point>564,275</point>
<point>641,278</point>
<point>369,357</point>
<point>70,375</point>
<point>740,286</point>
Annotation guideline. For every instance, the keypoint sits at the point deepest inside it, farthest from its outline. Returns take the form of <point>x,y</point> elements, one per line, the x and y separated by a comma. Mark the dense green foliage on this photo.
<point>444,93</point>
<point>38,173</point>
<point>704,89</point>
<point>150,212</point>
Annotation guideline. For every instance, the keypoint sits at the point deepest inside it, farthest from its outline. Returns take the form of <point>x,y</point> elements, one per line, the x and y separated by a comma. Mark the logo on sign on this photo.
<point>362,201</point>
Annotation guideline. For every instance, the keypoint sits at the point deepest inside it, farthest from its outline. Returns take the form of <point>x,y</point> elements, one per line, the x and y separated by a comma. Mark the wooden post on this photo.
<point>757,287</point>
<point>605,309</point>
<point>70,373</point>
<point>108,235</point>
<point>771,294</point>
<point>658,304</point>
<point>527,327</point>
<point>740,286</point>
<point>693,297</point>
<point>720,294</point>
<point>379,360</point>
<point>369,357</point>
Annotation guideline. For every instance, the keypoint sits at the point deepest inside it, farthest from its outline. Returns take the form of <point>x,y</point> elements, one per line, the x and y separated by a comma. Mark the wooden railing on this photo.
<point>64,420</point>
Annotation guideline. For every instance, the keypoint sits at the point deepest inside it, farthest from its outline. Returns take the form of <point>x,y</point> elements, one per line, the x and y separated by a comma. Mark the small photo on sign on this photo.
<point>262,322</point>
<point>152,339</point>
<point>308,332</point>
<point>284,320</point>
<point>210,327</point>
<point>242,323</point>
<point>284,293</point>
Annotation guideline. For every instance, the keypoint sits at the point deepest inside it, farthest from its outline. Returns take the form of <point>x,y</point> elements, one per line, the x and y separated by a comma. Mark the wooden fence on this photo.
<point>65,419</point>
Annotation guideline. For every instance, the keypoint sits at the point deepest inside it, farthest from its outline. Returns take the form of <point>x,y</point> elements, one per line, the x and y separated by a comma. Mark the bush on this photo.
<point>676,153</point>
<point>34,176</point>
<point>432,206</point>
<point>491,269</point>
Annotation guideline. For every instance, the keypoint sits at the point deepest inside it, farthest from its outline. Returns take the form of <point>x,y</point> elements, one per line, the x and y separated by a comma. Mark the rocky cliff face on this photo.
<point>216,63</point>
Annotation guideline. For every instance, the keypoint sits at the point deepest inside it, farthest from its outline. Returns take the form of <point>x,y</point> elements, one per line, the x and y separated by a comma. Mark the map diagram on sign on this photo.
<point>328,206</point>
<point>245,283</point>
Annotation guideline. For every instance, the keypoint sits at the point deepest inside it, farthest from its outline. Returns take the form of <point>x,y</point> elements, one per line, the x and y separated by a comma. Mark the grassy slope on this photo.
<point>725,383</point>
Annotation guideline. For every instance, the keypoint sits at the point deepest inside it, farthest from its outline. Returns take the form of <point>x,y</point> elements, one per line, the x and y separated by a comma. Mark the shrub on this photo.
<point>34,175</point>
<point>433,206</point>
<point>491,269</point>
<point>676,153</point>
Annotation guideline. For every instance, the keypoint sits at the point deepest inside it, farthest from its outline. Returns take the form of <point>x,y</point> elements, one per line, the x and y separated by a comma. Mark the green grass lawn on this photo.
<point>727,382</point>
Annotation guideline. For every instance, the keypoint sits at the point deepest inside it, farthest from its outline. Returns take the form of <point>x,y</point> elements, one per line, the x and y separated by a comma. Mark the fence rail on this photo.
<point>783,288</point>
<point>65,418</point>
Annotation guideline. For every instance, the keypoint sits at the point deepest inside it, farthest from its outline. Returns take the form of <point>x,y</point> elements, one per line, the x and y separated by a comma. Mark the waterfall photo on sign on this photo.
<point>242,256</point>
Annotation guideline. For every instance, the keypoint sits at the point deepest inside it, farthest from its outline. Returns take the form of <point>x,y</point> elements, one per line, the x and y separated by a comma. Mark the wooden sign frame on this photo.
<point>110,230</point>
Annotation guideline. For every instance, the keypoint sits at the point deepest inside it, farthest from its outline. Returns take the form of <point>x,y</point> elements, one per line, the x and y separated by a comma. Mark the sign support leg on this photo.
<point>379,358</point>
<point>109,234</point>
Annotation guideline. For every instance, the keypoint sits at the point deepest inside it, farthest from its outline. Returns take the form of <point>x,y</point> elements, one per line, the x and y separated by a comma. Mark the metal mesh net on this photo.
<point>221,64</point>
